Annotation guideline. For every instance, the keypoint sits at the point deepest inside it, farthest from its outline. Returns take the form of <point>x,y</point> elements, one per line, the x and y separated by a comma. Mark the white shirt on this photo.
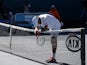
<point>47,19</point>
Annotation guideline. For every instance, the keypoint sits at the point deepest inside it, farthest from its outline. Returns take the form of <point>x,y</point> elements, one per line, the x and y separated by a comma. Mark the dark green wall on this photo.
<point>14,5</point>
<point>69,9</point>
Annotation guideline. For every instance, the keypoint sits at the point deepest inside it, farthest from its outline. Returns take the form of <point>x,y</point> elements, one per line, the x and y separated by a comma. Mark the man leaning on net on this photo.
<point>45,22</point>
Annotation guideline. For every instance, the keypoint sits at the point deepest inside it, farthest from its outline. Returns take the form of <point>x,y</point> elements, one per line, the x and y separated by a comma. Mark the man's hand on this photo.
<point>37,31</point>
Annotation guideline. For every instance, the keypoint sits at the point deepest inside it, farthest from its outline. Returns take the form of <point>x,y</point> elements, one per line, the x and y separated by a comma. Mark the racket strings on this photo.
<point>40,40</point>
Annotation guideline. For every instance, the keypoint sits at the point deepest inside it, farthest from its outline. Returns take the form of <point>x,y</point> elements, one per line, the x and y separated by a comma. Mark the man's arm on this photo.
<point>38,30</point>
<point>45,28</point>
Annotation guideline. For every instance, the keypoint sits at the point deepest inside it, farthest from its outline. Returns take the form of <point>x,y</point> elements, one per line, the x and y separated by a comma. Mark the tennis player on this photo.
<point>45,22</point>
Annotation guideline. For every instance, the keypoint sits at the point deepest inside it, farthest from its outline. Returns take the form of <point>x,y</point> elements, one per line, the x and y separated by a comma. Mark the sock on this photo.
<point>54,55</point>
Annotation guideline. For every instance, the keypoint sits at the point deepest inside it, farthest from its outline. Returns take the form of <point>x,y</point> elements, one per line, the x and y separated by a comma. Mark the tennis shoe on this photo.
<point>51,60</point>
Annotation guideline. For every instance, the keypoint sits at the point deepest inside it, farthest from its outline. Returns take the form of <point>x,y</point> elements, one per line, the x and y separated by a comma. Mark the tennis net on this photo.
<point>22,42</point>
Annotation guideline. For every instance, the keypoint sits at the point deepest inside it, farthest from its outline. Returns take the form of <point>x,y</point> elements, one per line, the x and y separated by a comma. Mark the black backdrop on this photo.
<point>69,9</point>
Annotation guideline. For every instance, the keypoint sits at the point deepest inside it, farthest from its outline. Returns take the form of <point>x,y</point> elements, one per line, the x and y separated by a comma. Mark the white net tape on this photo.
<point>49,31</point>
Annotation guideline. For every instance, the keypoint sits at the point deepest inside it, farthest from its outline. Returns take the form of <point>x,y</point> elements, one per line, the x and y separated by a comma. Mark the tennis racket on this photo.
<point>40,40</point>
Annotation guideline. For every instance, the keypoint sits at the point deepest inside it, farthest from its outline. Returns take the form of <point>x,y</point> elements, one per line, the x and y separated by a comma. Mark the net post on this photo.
<point>10,34</point>
<point>83,46</point>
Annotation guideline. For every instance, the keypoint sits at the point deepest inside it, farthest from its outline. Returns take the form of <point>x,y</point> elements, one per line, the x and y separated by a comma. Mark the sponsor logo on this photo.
<point>73,43</point>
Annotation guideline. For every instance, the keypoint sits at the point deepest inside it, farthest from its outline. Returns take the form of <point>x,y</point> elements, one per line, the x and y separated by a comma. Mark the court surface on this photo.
<point>31,53</point>
<point>9,59</point>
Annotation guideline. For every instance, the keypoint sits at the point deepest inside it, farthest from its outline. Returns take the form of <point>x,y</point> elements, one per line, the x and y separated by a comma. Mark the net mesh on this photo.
<point>22,41</point>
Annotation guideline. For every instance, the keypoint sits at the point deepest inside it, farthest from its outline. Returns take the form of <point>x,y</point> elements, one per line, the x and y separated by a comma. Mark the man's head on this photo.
<point>39,21</point>
<point>52,7</point>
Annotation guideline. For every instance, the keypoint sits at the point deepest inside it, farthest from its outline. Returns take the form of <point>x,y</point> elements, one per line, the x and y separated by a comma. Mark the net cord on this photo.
<point>49,31</point>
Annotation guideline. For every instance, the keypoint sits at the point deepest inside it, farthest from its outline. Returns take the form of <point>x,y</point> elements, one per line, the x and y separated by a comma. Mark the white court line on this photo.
<point>8,59</point>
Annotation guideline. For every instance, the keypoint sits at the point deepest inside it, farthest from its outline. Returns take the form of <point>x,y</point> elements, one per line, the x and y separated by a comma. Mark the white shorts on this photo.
<point>55,34</point>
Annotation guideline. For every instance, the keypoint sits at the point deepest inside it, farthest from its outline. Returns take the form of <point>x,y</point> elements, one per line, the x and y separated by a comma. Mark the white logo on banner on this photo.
<point>27,17</point>
<point>73,43</point>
